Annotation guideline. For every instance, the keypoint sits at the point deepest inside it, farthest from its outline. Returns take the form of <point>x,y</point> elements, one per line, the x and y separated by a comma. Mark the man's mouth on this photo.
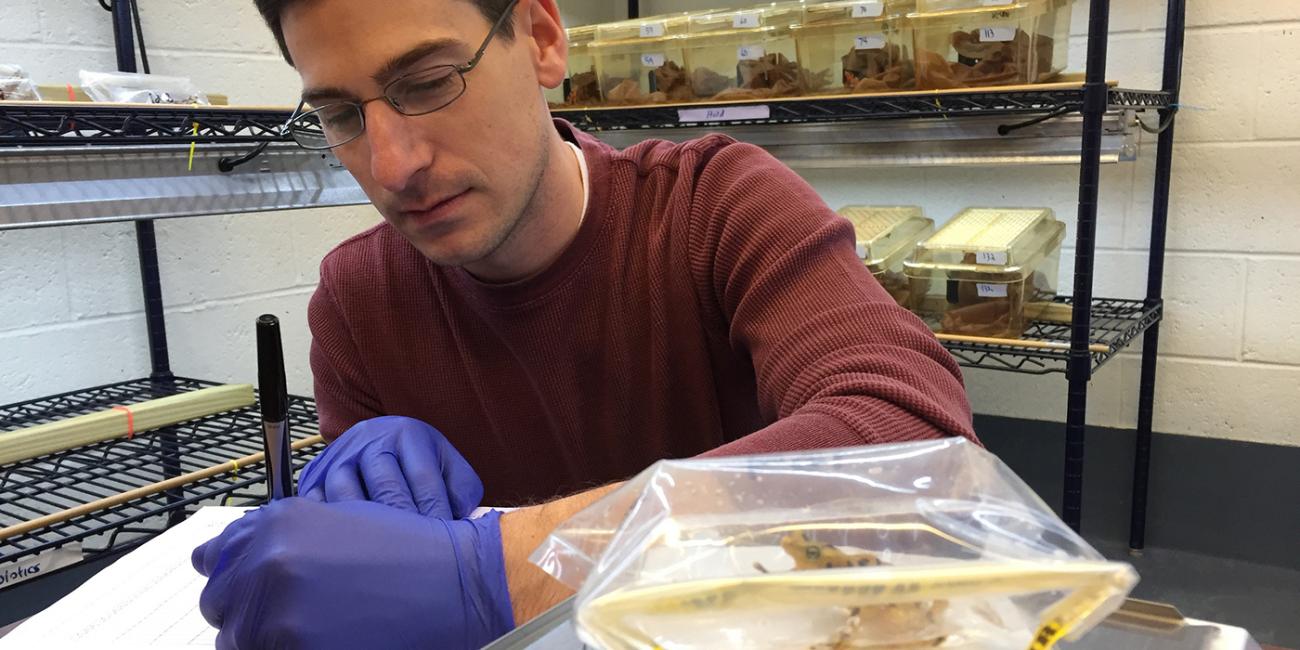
<point>435,211</point>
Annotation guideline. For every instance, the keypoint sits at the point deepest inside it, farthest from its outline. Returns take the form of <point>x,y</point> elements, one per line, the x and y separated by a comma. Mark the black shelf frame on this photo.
<point>49,484</point>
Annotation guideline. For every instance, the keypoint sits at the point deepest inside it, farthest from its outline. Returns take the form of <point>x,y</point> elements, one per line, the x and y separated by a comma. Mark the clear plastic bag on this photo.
<point>15,85</point>
<point>131,88</point>
<point>933,544</point>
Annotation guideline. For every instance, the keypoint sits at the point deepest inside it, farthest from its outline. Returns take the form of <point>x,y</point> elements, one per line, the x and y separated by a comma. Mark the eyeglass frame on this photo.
<point>461,69</point>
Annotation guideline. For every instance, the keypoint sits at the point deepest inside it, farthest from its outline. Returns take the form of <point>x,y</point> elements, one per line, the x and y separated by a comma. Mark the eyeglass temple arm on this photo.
<point>505,15</point>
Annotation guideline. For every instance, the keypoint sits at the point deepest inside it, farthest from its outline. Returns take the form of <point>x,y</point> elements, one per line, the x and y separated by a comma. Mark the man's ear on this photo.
<point>550,47</point>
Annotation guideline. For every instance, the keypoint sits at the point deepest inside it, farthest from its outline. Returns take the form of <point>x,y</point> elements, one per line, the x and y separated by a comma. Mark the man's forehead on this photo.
<point>354,45</point>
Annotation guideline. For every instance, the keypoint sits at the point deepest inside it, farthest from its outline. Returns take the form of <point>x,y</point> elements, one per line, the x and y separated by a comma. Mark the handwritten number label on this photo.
<point>869,42</point>
<point>750,52</point>
<point>745,21</point>
<point>992,290</point>
<point>868,10</point>
<point>724,114</point>
<point>652,60</point>
<point>998,257</point>
<point>997,34</point>
<point>652,30</point>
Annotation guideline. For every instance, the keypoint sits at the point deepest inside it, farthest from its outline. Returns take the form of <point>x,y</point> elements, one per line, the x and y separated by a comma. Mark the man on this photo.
<point>564,313</point>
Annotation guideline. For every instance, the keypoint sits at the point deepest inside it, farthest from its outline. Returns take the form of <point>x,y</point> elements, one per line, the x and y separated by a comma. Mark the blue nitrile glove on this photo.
<point>302,574</point>
<point>399,462</point>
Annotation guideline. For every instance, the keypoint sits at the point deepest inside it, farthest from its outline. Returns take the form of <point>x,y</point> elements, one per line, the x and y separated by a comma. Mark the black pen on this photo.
<point>274,395</point>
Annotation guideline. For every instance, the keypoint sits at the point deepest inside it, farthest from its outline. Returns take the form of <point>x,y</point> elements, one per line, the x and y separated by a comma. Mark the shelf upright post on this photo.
<point>147,249</point>
<point>633,9</point>
<point>1095,101</point>
<point>146,242</point>
<point>1172,84</point>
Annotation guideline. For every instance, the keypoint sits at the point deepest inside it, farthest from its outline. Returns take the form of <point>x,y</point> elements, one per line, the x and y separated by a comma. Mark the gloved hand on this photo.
<point>301,574</point>
<point>399,462</point>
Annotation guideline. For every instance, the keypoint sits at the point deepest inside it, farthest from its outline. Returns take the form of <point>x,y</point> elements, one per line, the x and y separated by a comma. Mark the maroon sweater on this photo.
<point>710,301</point>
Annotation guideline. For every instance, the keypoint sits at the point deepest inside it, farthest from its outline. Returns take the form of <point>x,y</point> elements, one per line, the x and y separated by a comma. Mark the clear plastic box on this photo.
<point>973,43</point>
<point>887,235</point>
<point>583,86</point>
<point>748,54</point>
<point>996,269</point>
<point>643,61</point>
<point>865,46</point>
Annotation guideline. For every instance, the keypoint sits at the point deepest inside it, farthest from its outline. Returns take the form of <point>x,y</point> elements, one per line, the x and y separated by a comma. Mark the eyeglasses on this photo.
<point>418,93</point>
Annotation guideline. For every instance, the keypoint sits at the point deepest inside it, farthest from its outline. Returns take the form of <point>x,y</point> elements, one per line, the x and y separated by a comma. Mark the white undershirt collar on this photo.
<point>585,176</point>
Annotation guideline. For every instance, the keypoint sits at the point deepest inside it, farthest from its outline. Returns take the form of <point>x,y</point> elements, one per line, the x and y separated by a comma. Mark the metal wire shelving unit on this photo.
<point>1110,323</point>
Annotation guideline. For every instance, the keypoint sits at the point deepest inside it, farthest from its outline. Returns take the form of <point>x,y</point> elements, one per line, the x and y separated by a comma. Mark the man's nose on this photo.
<point>397,153</point>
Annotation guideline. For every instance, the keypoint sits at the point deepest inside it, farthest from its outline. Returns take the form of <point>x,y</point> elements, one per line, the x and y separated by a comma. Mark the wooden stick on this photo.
<point>1097,348</point>
<point>141,492</point>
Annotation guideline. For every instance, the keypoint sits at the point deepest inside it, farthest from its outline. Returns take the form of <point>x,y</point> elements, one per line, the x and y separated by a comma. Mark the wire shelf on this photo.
<point>1115,324</point>
<point>1058,98</point>
<point>56,124</point>
<point>41,486</point>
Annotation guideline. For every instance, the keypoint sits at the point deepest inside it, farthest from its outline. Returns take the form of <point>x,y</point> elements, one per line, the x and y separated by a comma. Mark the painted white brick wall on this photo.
<point>1231,344</point>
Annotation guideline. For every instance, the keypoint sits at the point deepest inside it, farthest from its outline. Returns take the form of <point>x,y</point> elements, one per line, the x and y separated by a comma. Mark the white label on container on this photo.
<point>724,114</point>
<point>992,290</point>
<point>652,60</point>
<point>750,52</point>
<point>997,34</point>
<point>998,257</point>
<point>744,21</point>
<point>869,42</point>
<point>652,30</point>
<point>44,563</point>
<point>868,10</point>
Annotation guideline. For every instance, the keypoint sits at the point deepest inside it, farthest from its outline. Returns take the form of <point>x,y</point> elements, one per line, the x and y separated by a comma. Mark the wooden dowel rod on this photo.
<point>141,492</point>
<point>1097,348</point>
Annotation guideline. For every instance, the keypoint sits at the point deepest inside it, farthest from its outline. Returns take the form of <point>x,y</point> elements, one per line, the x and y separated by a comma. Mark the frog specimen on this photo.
<point>895,619</point>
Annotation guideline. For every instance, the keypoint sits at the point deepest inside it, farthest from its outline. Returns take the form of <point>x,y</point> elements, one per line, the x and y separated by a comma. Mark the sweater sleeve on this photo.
<point>837,361</point>
<point>344,393</point>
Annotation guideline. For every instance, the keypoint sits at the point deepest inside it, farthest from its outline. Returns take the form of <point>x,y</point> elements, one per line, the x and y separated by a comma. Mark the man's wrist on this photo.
<point>533,591</point>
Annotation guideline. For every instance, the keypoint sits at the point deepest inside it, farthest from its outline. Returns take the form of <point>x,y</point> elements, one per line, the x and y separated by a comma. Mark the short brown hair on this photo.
<point>273,9</point>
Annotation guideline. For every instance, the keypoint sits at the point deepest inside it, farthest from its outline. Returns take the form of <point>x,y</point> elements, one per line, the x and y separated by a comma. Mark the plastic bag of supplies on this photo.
<point>932,544</point>
<point>15,85</point>
<point>134,88</point>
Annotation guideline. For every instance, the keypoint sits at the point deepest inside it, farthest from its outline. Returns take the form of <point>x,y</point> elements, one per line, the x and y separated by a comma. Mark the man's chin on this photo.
<point>446,251</point>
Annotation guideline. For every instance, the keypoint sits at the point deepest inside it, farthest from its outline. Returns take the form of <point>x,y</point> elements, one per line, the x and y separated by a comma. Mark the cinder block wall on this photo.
<point>1230,346</point>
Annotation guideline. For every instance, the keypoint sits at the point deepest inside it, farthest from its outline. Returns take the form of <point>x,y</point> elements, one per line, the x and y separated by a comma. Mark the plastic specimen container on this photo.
<point>643,61</point>
<point>747,54</point>
<point>996,269</point>
<point>864,47</point>
<point>583,86</point>
<point>976,43</point>
<point>886,236</point>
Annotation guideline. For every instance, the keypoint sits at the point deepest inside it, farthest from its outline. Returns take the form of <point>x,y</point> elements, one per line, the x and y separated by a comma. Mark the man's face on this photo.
<point>456,182</point>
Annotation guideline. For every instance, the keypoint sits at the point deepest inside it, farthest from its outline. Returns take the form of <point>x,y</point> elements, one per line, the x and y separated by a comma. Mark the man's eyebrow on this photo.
<point>398,65</point>
<point>314,96</point>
